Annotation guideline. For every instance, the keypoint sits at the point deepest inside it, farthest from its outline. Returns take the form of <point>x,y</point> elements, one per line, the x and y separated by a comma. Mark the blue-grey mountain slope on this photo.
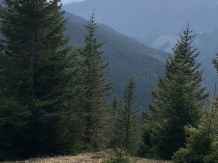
<point>126,56</point>
<point>158,23</point>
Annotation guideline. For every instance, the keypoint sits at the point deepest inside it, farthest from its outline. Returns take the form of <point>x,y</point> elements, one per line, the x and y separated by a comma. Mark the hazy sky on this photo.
<point>69,1</point>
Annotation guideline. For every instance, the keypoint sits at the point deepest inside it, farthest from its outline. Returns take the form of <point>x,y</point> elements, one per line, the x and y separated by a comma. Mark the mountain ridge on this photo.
<point>154,23</point>
<point>125,55</point>
<point>158,24</point>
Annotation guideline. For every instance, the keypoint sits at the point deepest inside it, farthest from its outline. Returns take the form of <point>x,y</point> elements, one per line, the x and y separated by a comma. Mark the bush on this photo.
<point>211,158</point>
<point>120,156</point>
<point>180,156</point>
<point>184,155</point>
<point>149,147</point>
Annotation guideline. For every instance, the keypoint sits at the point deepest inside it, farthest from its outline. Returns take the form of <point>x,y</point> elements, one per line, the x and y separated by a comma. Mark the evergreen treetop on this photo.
<point>177,100</point>
<point>96,88</point>
<point>130,117</point>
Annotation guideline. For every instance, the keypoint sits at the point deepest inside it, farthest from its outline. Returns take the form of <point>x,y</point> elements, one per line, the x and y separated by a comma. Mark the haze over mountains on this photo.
<point>158,23</point>
<point>143,17</point>
<point>125,56</point>
<point>155,23</point>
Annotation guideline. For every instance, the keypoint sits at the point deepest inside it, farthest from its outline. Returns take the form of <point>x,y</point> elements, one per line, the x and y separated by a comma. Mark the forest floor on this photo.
<point>83,158</point>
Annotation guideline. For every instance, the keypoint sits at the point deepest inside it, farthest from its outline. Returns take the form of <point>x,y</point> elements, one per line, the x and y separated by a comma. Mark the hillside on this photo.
<point>154,23</point>
<point>126,56</point>
<point>159,23</point>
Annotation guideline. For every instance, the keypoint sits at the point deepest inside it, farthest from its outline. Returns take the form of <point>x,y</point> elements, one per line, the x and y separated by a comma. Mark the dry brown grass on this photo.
<point>151,161</point>
<point>83,158</point>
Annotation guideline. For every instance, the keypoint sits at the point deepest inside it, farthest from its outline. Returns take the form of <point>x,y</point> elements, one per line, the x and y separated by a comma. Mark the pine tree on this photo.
<point>35,74</point>
<point>130,118</point>
<point>116,125</point>
<point>124,121</point>
<point>72,124</point>
<point>177,100</point>
<point>96,88</point>
<point>201,141</point>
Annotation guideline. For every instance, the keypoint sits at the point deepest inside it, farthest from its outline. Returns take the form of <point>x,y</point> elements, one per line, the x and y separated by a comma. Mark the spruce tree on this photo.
<point>116,125</point>
<point>130,118</point>
<point>177,100</point>
<point>72,124</point>
<point>34,77</point>
<point>124,121</point>
<point>96,89</point>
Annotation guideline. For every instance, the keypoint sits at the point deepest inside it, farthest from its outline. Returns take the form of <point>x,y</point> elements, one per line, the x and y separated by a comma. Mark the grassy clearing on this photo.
<point>83,158</point>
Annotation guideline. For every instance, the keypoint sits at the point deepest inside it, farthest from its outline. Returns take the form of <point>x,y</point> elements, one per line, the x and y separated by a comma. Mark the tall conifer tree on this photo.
<point>125,124</point>
<point>130,118</point>
<point>177,100</point>
<point>116,125</point>
<point>96,88</point>
<point>33,77</point>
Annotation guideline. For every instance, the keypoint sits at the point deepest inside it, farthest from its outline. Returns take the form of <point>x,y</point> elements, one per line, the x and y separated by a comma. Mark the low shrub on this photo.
<point>120,156</point>
<point>211,158</point>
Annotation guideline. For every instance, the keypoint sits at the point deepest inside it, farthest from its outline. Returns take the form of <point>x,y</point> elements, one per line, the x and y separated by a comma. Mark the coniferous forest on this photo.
<point>56,99</point>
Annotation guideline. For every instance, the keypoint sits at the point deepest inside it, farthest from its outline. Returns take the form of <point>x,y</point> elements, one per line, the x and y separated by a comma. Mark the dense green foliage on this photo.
<point>201,141</point>
<point>116,125</point>
<point>34,81</point>
<point>177,101</point>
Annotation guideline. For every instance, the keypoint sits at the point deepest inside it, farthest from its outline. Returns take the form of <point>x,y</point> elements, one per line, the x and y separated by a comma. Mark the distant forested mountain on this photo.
<point>158,24</point>
<point>126,56</point>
